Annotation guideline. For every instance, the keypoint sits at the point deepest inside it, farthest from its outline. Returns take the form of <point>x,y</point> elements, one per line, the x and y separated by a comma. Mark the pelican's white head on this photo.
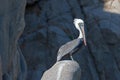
<point>79,24</point>
<point>78,20</point>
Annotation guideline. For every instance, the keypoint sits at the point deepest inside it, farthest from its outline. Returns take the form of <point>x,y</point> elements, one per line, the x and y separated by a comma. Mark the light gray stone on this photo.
<point>63,70</point>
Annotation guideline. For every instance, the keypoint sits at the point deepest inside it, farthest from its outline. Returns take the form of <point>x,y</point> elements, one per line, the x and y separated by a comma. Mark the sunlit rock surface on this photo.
<point>49,24</point>
<point>12,62</point>
<point>63,70</point>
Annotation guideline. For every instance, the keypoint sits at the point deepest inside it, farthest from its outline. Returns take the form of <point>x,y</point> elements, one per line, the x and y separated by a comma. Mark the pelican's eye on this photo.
<point>81,24</point>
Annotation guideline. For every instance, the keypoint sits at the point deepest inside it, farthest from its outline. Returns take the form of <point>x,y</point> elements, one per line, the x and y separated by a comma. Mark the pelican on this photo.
<point>71,47</point>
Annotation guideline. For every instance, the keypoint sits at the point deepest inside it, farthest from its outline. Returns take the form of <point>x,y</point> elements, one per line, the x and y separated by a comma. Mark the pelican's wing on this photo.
<point>67,48</point>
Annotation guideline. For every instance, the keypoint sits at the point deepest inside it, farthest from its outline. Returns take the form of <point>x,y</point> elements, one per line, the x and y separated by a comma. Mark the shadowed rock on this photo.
<point>63,70</point>
<point>0,69</point>
<point>6,77</point>
<point>48,29</point>
<point>12,24</point>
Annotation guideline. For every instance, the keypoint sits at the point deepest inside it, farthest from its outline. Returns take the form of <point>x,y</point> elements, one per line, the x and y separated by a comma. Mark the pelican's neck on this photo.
<point>80,34</point>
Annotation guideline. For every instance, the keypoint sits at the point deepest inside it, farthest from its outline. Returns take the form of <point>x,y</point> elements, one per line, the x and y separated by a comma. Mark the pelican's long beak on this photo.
<point>83,33</point>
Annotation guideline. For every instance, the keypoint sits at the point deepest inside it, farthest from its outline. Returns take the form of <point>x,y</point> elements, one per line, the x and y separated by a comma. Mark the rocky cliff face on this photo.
<point>49,24</point>
<point>12,62</point>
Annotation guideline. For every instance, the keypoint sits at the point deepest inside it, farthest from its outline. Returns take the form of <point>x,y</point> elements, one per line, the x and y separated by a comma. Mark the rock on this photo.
<point>31,1</point>
<point>112,6</point>
<point>50,25</point>
<point>23,65</point>
<point>0,69</point>
<point>11,27</point>
<point>6,77</point>
<point>63,70</point>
